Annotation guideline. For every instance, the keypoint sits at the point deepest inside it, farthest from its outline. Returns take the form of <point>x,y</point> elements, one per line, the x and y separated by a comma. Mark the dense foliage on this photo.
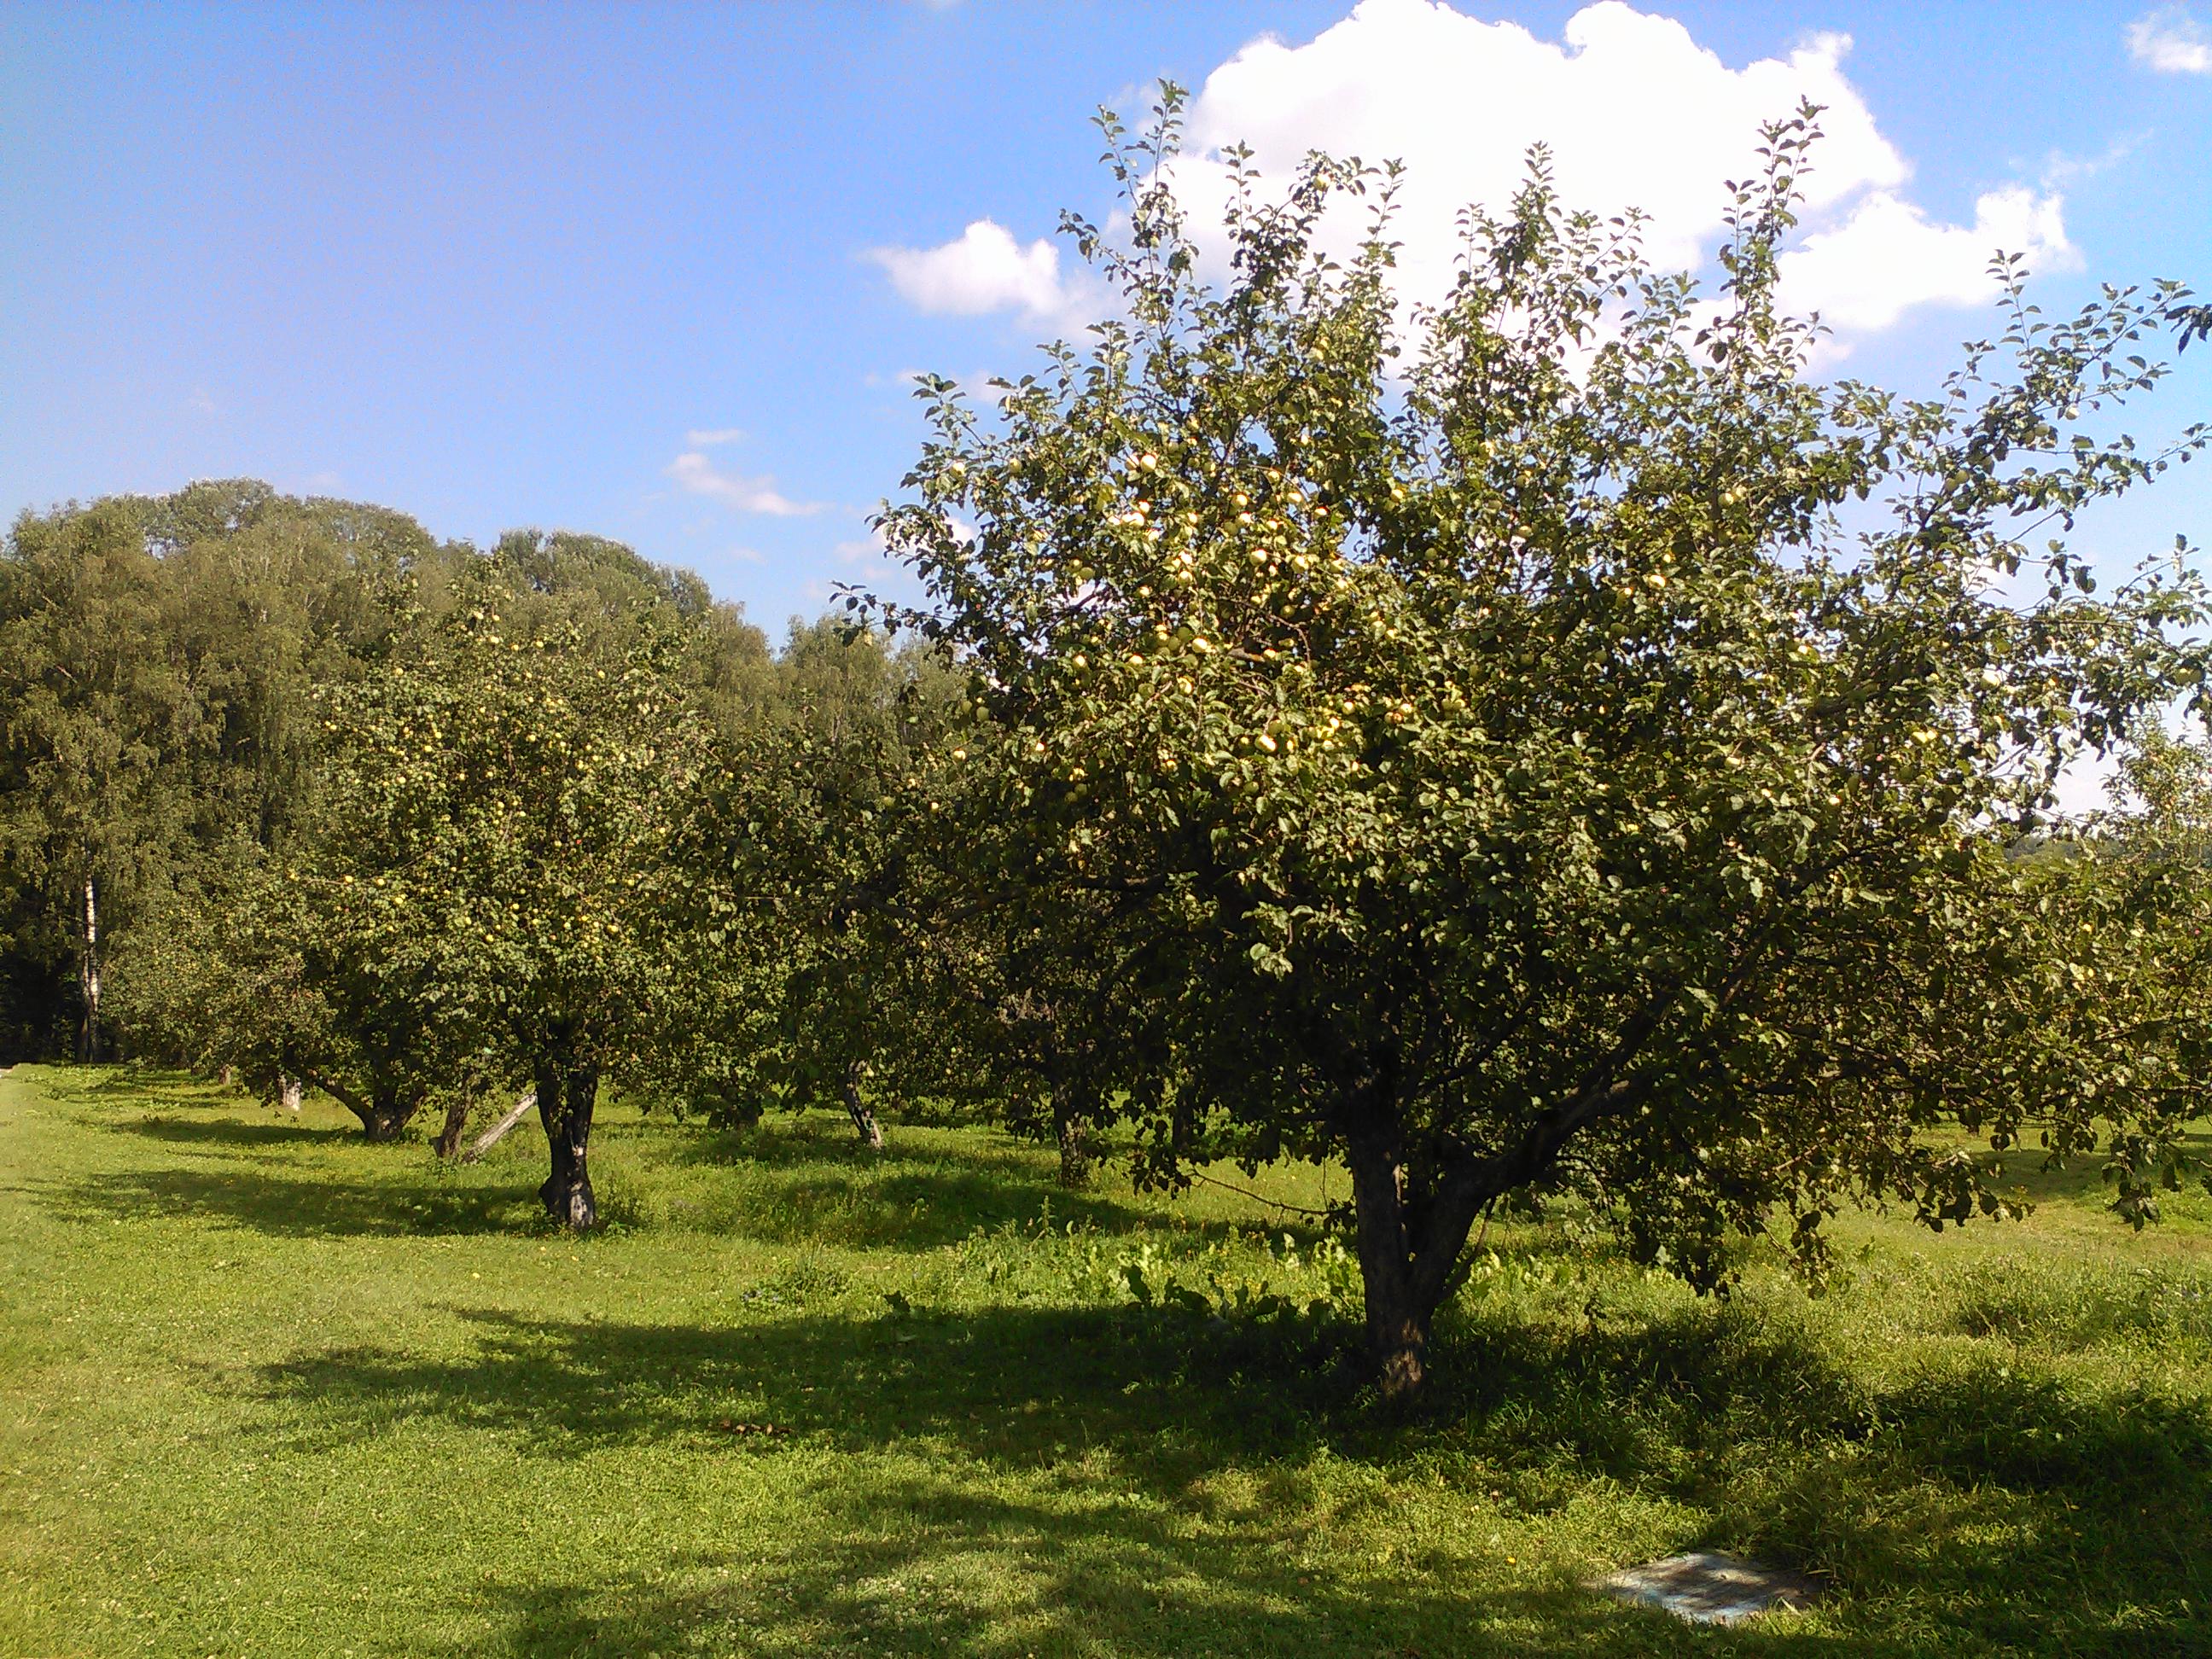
<point>1540,744</point>
<point>1581,754</point>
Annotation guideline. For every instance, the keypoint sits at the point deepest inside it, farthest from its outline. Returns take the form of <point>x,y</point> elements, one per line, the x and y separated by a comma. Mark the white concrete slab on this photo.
<point>1707,1587</point>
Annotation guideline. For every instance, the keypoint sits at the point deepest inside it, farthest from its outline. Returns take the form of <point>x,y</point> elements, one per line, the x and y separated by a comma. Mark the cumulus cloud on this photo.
<point>1887,256</point>
<point>1635,113</point>
<point>2171,40</point>
<point>983,268</point>
<point>693,472</point>
<point>708,438</point>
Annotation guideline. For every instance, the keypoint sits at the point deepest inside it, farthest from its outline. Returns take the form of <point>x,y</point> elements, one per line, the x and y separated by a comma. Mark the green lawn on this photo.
<point>265,1390</point>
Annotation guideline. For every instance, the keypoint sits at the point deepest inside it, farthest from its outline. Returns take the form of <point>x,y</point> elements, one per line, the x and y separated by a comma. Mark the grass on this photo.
<point>265,1390</point>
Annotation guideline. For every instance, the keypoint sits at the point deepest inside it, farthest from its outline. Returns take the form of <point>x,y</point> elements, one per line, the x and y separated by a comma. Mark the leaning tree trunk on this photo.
<point>491,1137</point>
<point>457,1120</point>
<point>565,1102</point>
<point>87,1041</point>
<point>863,1114</point>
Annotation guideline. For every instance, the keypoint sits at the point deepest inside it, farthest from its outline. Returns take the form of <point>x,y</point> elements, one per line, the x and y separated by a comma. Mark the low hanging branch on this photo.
<point>1245,1192</point>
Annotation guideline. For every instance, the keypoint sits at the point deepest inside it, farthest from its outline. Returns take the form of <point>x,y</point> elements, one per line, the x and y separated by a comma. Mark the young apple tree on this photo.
<point>505,804</point>
<point>1541,743</point>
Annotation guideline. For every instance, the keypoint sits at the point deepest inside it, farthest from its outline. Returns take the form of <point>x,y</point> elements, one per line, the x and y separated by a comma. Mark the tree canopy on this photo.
<point>1542,745</point>
<point>1545,743</point>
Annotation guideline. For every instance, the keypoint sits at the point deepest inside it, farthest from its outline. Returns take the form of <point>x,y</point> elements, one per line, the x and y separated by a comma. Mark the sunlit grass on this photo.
<point>265,1390</point>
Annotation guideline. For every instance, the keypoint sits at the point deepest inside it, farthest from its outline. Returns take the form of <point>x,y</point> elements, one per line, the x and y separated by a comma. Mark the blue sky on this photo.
<point>535,265</point>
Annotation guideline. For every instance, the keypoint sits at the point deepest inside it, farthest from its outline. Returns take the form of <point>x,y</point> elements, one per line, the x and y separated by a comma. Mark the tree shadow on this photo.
<point>231,1132</point>
<point>282,1207</point>
<point>2081,1179</point>
<point>803,1183</point>
<point>1137,1586</point>
<point>913,1212</point>
<point>1086,1451</point>
<point>912,1203</point>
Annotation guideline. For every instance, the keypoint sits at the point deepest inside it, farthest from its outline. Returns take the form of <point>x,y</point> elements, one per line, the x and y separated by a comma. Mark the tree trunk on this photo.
<point>491,1137</point>
<point>88,1041</point>
<point>1397,1323</point>
<point>385,1117</point>
<point>457,1118</point>
<point>565,1102</point>
<point>863,1114</point>
<point>287,1094</point>
<point>1071,1129</point>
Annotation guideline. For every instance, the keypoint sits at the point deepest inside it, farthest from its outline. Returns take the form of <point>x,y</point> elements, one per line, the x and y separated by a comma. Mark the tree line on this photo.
<point>1542,743</point>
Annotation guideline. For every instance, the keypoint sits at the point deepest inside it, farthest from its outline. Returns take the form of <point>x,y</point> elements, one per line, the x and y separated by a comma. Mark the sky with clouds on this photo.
<point>662,274</point>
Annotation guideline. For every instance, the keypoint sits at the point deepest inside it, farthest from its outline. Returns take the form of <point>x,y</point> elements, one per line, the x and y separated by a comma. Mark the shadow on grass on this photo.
<point>230,1131</point>
<point>1148,1484</point>
<point>805,1181</point>
<point>1130,1587</point>
<point>2080,1179</point>
<point>796,1183</point>
<point>238,1194</point>
<point>915,1212</point>
<point>909,1211</point>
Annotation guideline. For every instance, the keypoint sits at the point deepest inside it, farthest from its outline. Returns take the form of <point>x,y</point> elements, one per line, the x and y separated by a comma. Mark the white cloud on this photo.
<point>711,437</point>
<point>983,268</point>
<point>693,472</point>
<point>869,547</point>
<point>2172,41</point>
<point>1636,113</point>
<point>2060,169</point>
<point>874,546</point>
<point>1887,256</point>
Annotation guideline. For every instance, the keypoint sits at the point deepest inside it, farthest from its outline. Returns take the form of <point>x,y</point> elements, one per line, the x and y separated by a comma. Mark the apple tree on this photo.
<point>1544,743</point>
<point>503,810</point>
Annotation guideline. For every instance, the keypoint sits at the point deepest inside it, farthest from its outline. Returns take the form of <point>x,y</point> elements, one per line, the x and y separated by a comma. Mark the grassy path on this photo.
<point>266,1390</point>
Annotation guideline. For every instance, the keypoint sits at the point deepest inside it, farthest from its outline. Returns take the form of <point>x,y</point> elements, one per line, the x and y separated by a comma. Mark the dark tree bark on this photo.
<point>382,1113</point>
<point>385,1117</point>
<point>566,1097</point>
<point>1397,1325</point>
<point>457,1120</point>
<point>1071,1129</point>
<point>863,1114</point>
<point>1411,1234</point>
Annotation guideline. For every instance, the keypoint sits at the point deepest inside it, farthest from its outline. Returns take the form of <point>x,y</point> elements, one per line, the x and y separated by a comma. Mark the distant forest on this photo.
<point>165,665</point>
